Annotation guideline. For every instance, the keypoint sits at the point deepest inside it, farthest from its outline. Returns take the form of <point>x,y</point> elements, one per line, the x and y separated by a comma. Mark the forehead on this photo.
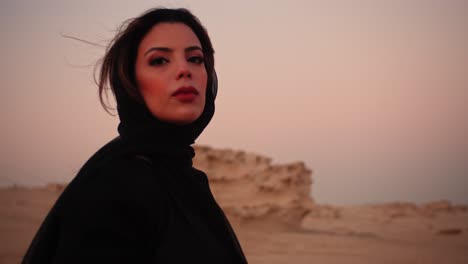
<point>171,35</point>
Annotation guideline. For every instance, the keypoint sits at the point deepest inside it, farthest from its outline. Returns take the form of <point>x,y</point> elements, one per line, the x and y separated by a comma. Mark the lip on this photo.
<point>185,90</point>
<point>186,94</point>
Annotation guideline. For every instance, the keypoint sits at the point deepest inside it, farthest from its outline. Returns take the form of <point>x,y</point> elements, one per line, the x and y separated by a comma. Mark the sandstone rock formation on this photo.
<point>248,186</point>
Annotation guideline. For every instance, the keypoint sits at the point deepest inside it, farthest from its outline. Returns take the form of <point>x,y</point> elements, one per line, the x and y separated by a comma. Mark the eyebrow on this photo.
<point>165,49</point>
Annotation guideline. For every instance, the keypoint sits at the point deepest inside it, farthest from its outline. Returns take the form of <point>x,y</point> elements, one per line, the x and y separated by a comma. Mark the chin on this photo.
<point>180,116</point>
<point>185,118</point>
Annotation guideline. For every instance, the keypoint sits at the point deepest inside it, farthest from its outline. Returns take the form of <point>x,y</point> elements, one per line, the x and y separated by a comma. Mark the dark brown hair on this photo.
<point>117,67</point>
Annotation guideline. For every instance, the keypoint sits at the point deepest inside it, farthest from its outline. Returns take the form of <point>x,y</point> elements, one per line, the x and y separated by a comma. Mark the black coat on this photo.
<point>136,209</point>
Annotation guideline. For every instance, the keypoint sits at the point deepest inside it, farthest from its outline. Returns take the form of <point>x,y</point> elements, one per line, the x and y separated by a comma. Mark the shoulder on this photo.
<point>123,191</point>
<point>119,180</point>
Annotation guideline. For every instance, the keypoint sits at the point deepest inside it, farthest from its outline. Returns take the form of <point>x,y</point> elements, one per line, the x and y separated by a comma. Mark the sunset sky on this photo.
<point>371,95</point>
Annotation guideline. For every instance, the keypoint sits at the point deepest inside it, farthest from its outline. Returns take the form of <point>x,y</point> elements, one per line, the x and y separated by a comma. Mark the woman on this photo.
<point>138,199</point>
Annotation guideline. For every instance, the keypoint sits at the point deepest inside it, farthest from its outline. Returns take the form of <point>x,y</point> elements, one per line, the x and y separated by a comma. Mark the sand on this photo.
<point>386,233</point>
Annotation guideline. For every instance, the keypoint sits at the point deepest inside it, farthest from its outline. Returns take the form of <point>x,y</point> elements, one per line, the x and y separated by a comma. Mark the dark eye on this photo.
<point>196,59</point>
<point>158,61</point>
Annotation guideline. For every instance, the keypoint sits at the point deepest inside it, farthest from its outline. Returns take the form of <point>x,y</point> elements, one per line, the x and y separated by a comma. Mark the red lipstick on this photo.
<point>186,94</point>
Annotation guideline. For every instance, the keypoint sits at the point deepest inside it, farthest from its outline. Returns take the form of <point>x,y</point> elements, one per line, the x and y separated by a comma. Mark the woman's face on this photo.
<point>171,74</point>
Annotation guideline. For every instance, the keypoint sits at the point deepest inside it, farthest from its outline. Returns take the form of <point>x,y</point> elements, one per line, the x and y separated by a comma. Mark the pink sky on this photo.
<point>371,95</point>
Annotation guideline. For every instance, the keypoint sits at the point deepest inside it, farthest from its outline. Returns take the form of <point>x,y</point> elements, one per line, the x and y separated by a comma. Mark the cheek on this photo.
<point>150,88</point>
<point>203,81</point>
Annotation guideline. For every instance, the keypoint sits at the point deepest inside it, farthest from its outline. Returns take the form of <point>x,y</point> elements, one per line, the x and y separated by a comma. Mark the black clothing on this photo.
<point>139,200</point>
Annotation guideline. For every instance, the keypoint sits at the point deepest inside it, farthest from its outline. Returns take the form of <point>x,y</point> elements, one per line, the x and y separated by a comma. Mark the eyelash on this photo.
<point>158,61</point>
<point>196,59</point>
<point>161,60</point>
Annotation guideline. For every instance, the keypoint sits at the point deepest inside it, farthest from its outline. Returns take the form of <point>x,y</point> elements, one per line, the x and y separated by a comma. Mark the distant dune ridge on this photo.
<point>277,221</point>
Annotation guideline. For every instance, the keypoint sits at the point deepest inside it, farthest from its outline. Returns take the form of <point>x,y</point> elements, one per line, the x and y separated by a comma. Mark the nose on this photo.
<point>183,71</point>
